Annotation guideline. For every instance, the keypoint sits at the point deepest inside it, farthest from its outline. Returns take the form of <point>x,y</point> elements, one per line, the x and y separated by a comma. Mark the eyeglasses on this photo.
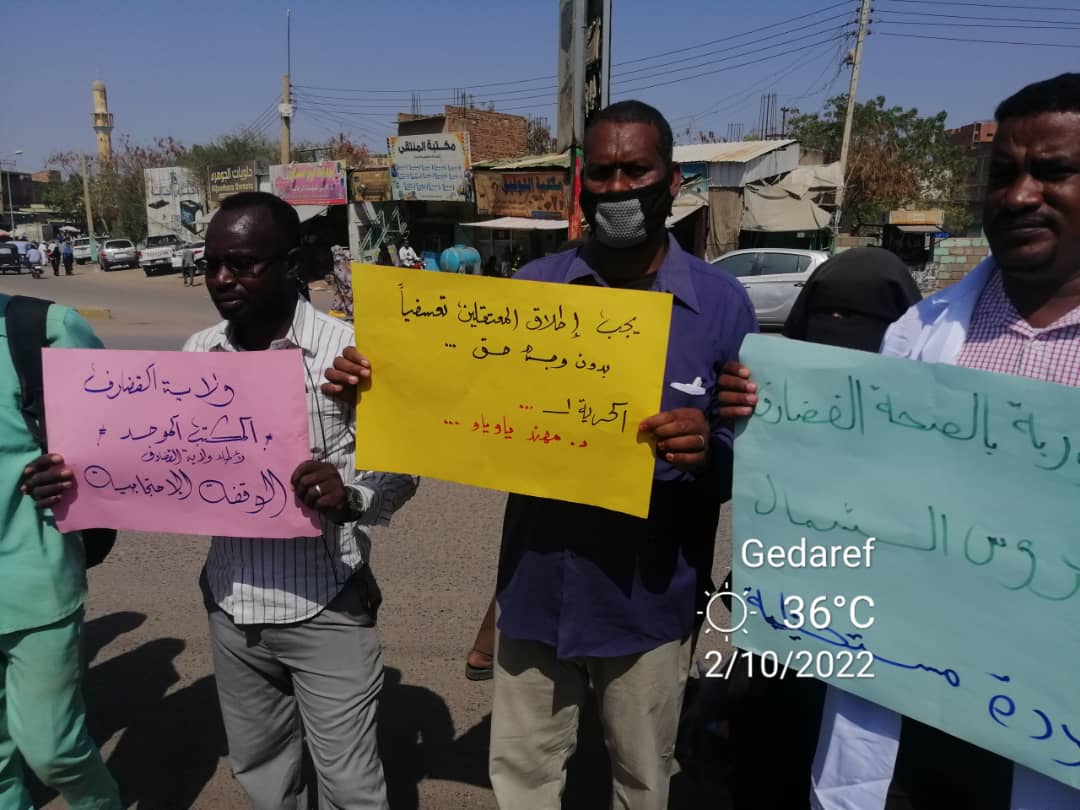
<point>239,266</point>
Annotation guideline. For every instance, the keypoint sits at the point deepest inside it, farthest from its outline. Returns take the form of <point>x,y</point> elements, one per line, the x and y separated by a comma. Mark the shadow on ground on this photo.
<point>170,744</point>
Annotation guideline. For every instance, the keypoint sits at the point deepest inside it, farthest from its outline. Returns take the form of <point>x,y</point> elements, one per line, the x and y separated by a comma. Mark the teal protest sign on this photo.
<point>909,532</point>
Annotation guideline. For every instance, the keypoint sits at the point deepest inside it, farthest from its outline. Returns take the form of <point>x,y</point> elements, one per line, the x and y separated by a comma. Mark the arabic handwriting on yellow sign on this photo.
<point>522,386</point>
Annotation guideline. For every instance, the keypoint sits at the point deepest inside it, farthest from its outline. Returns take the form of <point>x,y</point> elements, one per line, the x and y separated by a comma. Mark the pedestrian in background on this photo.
<point>54,257</point>
<point>35,260</point>
<point>68,256</point>
<point>187,265</point>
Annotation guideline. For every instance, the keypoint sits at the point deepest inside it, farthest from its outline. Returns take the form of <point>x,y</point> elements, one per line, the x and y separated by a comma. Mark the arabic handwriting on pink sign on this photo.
<point>183,442</point>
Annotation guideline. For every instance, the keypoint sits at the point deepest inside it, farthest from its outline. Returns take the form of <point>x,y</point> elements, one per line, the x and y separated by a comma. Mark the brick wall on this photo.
<point>957,256</point>
<point>492,135</point>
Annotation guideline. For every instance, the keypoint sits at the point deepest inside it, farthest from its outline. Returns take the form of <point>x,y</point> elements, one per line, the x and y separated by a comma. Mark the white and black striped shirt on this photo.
<point>268,581</point>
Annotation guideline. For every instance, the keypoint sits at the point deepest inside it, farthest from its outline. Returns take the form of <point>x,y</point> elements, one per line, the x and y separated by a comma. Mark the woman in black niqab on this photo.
<point>851,300</point>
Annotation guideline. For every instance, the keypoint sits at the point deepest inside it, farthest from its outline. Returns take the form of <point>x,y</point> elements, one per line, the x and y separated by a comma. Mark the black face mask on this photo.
<point>627,218</point>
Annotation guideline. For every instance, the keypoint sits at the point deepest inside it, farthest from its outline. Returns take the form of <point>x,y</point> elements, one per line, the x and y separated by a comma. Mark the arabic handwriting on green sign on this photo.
<point>968,481</point>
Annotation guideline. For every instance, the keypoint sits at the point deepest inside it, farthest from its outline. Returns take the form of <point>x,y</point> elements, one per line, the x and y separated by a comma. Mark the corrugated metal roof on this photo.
<point>735,152</point>
<point>518,224</point>
<point>553,160</point>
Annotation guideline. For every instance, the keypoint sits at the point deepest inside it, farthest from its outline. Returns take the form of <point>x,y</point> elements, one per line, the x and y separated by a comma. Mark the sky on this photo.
<point>197,70</point>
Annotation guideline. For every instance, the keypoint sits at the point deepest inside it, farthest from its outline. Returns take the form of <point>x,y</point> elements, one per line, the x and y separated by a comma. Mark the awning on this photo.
<point>519,224</point>
<point>681,210</point>
<point>307,212</point>
<point>773,208</point>
<point>917,228</point>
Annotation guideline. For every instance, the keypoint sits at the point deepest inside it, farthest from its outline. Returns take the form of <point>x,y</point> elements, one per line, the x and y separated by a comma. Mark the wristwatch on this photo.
<point>357,501</point>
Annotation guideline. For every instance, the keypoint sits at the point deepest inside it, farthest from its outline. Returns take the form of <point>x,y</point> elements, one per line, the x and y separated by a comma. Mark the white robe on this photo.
<point>858,743</point>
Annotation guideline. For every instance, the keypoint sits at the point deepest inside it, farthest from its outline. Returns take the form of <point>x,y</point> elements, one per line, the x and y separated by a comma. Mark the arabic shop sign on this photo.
<point>430,167</point>
<point>224,181</point>
<point>321,183</point>
<point>535,195</point>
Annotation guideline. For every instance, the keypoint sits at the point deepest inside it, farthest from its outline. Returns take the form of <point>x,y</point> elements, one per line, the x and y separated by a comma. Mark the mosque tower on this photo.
<point>102,121</point>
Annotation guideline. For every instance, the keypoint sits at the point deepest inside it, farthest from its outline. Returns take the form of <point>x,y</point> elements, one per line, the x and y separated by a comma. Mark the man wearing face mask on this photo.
<point>589,596</point>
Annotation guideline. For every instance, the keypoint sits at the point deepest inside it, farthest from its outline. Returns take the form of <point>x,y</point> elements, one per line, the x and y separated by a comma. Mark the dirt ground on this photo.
<point>150,688</point>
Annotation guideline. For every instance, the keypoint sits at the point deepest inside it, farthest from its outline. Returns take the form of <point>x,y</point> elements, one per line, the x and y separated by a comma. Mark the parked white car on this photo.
<point>80,247</point>
<point>772,277</point>
<point>157,253</point>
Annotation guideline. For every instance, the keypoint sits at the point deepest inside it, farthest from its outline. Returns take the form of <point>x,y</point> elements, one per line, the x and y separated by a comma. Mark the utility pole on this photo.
<point>286,119</point>
<point>89,213</point>
<point>584,79</point>
<point>286,108</point>
<point>783,120</point>
<point>845,144</point>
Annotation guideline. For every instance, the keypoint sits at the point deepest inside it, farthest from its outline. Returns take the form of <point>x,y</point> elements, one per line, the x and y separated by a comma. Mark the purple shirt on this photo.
<point>592,582</point>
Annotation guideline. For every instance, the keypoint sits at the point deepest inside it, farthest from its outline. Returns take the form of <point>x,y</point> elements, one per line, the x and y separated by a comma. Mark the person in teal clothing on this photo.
<point>42,590</point>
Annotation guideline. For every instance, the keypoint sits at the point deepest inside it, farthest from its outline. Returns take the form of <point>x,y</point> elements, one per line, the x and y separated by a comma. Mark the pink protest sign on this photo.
<point>180,441</point>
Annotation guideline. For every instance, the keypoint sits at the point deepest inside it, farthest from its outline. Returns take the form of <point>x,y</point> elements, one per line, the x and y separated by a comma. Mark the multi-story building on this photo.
<point>977,140</point>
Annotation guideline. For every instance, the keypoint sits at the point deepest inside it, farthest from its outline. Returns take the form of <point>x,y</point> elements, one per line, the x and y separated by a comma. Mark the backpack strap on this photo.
<point>26,322</point>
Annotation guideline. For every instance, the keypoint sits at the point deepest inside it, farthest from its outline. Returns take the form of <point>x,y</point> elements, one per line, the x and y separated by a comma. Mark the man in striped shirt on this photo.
<point>292,622</point>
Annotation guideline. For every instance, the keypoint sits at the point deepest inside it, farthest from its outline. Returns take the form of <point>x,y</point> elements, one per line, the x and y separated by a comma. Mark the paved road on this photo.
<point>150,685</point>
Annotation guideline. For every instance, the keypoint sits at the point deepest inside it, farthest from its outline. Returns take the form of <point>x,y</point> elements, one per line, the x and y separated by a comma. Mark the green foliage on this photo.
<point>897,157</point>
<point>66,198</point>
<point>236,147</point>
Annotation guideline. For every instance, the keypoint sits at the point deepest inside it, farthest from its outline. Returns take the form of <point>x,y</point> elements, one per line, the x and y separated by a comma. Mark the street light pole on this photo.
<point>11,205</point>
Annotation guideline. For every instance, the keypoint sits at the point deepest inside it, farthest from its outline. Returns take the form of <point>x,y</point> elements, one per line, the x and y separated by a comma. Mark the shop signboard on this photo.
<point>229,179</point>
<point>320,183</point>
<point>534,194</point>
<point>433,167</point>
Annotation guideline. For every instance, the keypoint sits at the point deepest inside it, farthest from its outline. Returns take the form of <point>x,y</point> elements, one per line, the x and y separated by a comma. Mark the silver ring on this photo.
<point>704,443</point>
<point>318,490</point>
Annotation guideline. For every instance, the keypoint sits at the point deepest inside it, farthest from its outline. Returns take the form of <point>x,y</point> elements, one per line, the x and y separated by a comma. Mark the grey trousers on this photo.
<point>317,680</point>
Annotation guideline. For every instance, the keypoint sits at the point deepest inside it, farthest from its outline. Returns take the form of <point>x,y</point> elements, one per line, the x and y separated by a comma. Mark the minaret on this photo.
<point>102,122</point>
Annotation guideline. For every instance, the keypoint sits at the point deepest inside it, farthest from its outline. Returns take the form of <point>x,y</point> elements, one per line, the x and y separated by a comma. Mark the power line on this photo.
<point>739,55</point>
<point>342,126</point>
<point>340,121</point>
<point>982,41</point>
<point>627,90</point>
<point>746,93</point>
<point>803,29</point>
<point>1009,6</point>
<point>548,78</point>
<point>730,37</point>
<point>259,119</point>
<point>923,24</point>
<point>922,14</point>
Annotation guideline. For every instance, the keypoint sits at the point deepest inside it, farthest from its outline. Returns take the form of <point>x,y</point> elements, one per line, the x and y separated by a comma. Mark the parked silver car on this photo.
<point>772,277</point>
<point>118,252</point>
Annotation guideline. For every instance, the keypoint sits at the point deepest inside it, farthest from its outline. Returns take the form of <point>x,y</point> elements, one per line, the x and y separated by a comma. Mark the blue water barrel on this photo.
<point>460,259</point>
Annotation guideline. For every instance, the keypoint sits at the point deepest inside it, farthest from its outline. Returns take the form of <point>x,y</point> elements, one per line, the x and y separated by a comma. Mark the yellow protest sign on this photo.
<point>522,386</point>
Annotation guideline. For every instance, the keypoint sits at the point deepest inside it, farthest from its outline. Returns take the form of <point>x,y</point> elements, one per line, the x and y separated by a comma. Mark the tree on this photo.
<point>897,157</point>
<point>66,199</point>
<point>236,147</point>
<point>538,138</point>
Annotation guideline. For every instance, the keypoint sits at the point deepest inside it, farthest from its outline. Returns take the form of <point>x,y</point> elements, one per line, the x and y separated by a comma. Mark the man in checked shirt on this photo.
<point>1018,312</point>
<point>292,622</point>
